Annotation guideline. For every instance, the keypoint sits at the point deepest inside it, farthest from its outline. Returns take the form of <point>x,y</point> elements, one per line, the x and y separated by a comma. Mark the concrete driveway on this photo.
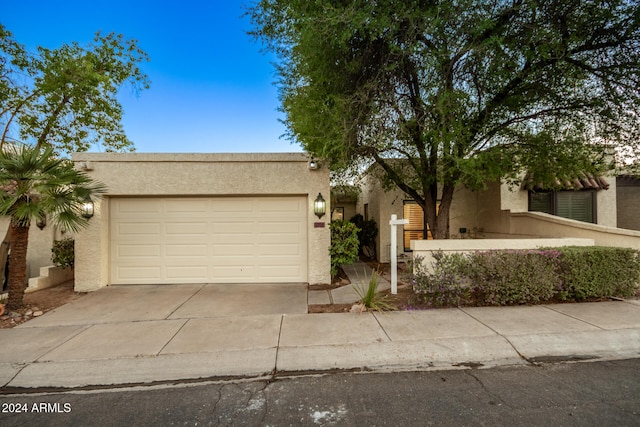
<point>136,303</point>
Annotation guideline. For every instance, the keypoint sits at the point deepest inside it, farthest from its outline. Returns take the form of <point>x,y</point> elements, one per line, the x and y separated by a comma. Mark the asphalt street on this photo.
<point>568,394</point>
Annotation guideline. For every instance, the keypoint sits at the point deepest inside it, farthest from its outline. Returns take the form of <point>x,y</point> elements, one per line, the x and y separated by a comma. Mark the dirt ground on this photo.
<point>40,301</point>
<point>403,300</point>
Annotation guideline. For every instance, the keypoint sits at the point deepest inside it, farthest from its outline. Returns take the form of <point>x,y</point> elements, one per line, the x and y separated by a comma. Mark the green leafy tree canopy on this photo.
<point>442,93</point>
<point>66,98</point>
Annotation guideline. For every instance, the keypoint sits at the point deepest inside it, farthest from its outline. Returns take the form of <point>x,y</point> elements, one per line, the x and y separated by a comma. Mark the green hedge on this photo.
<point>507,277</point>
<point>344,244</point>
<point>595,272</point>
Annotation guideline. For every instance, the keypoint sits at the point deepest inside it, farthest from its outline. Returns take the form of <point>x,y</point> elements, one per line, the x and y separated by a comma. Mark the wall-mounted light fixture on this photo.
<point>87,207</point>
<point>319,206</point>
<point>313,164</point>
<point>41,222</point>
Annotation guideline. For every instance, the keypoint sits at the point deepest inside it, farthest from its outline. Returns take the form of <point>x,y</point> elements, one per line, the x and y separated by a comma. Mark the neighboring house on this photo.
<point>203,218</point>
<point>343,203</point>
<point>584,207</point>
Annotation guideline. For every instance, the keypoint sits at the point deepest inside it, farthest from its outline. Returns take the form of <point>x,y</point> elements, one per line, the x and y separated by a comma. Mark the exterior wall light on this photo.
<point>87,207</point>
<point>319,206</point>
<point>41,222</point>
<point>313,165</point>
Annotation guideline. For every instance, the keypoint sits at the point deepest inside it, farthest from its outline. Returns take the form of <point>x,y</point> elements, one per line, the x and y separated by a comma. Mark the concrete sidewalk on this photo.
<point>129,335</point>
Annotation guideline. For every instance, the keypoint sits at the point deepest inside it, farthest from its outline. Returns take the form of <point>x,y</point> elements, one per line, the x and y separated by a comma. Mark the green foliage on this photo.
<point>35,183</point>
<point>344,244</point>
<point>594,272</point>
<point>528,276</point>
<point>461,92</point>
<point>370,298</point>
<point>514,277</point>
<point>67,98</point>
<point>368,231</point>
<point>62,253</point>
<point>448,285</point>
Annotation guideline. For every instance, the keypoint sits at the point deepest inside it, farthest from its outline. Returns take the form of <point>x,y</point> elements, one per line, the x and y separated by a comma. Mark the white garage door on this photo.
<point>208,240</point>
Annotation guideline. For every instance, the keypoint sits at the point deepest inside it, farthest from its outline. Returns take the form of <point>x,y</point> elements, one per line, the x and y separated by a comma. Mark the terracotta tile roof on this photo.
<point>580,181</point>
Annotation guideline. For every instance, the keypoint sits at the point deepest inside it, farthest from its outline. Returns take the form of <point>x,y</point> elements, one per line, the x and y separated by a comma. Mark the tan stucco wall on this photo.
<point>141,174</point>
<point>545,225</point>
<point>424,249</point>
<point>39,248</point>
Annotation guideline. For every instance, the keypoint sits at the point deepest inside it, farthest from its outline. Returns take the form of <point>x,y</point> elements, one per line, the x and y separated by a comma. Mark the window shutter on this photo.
<point>541,202</point>
<point>415,229</point>
<point>576,205</point>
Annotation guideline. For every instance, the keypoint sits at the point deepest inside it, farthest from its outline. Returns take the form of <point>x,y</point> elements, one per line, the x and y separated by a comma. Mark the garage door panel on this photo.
<point>186,207</point>
<point>131,251</point>
<point>186,250</point>
<point>137,207</point>
<point>208,240</point>
<point>185,228</point>
<point>131,229</point>
<point>229,273</point>
<point>133,274</point>
<point>231,249</point>
<point>174,273</point>
<point>222,227</point>
<point>279,228</point>
<point>287,250</point>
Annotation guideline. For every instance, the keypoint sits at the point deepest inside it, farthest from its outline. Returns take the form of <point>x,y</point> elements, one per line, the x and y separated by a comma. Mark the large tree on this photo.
<point>442,93</point>
<point>66,98</point>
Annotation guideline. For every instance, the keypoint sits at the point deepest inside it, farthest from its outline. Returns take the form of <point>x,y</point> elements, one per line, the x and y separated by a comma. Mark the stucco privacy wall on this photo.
<point>140,175</point>
<point>425,248</point>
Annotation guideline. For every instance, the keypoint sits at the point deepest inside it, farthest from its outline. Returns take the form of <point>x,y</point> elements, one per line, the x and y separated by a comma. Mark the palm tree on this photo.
<point>34,183</point>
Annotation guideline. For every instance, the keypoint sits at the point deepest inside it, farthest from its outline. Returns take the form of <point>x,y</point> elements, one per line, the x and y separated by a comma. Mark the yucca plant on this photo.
<point>34,183</point>
<point>369,297</point>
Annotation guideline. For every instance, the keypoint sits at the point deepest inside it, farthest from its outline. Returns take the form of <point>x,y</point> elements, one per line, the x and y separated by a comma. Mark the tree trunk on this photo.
<point>4,253</point>
<point>17,265</point>
<point>440,225</point>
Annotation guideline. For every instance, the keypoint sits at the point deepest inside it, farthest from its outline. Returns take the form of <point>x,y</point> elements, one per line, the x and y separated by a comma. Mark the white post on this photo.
<point>394,251</point>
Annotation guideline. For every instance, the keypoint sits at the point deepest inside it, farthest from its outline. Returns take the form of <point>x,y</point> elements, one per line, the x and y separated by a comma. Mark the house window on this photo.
<point>337,214</point>
<point>414,230</point>
<point>578,205</point>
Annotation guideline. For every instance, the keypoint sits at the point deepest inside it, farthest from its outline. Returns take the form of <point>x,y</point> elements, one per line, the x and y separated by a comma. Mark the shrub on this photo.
<point>63,254</point>
<point>592,272</point>
<point>515,277</point>
<point>528,276</point>
<point>366,235</point>
<point>344,244</point>
<point>447,285</point>
<point>369,296</point>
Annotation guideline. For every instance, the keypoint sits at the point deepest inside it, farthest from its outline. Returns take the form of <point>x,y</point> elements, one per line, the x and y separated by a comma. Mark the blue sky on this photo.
<point>211,86</point>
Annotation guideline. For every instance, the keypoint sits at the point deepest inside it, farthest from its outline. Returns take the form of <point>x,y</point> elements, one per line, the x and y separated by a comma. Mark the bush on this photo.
<point>449,283</point>
<point>515,277</point>
<point>591,272</point>
<point>366,235</point>
<point>528,276</point>
<point>344,244</point>
<point>63,254</point>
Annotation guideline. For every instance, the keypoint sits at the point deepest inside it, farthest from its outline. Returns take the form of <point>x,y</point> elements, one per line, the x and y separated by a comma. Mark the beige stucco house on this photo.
<point>203,218</point>
<point>504,212</point>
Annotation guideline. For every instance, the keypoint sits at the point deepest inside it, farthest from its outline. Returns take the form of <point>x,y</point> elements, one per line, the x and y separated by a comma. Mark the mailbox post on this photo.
<point>395,222</point>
